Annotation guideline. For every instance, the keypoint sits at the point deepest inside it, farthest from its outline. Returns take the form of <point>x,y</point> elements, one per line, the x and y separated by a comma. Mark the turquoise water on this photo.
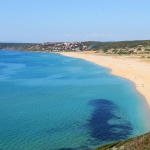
<point>52,102</point>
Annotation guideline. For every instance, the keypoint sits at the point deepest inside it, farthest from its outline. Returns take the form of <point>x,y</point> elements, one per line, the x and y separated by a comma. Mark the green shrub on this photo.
<point>139,49</point>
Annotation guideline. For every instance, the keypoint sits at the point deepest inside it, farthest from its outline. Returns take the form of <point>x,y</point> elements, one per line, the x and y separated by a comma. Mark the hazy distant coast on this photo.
<point>119,48</point>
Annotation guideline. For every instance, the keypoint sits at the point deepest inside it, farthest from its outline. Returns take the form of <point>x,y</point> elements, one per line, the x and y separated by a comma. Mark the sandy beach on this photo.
<point>132,69</point>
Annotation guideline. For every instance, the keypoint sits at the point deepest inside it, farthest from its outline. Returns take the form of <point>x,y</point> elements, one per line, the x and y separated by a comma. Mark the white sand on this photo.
<point>131,69</point>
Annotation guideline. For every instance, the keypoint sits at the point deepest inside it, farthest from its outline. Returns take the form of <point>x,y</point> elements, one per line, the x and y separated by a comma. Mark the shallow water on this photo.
<point>52,102</point>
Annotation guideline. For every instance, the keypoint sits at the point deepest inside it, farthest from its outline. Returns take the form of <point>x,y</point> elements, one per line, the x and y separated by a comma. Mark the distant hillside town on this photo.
<point>47,46</point>
<point>66,46</point>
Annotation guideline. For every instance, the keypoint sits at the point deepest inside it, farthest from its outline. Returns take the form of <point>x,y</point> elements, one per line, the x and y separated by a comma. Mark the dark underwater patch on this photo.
<point>98,125</point>
<point>65,149</point>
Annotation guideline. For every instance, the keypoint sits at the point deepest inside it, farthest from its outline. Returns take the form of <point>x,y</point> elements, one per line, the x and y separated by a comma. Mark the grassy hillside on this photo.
<point>16,46</point>
<point>122,47</point>
<point>138,143</point>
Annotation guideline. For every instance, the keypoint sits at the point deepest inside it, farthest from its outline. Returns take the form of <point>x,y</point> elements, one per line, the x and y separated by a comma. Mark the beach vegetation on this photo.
<point>147,49</point>
<point>139,49</point>
<point>105,49</point>
<point>114,51</point>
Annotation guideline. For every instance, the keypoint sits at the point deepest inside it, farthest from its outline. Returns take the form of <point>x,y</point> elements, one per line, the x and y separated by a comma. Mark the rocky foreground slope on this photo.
<point>138,143</point>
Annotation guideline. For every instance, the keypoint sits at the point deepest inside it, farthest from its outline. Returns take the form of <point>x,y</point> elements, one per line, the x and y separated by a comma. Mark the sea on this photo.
<point>53,102</point>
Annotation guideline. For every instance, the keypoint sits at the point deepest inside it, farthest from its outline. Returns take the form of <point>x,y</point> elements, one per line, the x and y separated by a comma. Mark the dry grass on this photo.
<point>138,143</point>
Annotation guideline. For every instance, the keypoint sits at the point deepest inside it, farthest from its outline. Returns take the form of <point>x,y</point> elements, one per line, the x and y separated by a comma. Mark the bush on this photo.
<point>115,51</point>
<point>105,50</point>
<point>139,49</point>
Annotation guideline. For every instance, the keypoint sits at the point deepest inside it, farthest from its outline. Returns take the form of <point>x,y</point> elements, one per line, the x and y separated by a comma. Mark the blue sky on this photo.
<point>74,20</point>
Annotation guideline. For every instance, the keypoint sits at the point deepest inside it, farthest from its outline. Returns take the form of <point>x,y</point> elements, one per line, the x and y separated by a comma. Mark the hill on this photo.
<point>16,46</point>
<point>121,47</point>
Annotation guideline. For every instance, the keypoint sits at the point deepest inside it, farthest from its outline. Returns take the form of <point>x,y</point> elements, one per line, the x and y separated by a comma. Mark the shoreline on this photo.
<point>131,69</point>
